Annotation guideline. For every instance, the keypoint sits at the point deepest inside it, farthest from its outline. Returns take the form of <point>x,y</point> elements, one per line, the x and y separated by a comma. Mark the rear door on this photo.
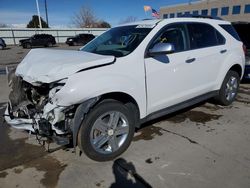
<point>208,48</point>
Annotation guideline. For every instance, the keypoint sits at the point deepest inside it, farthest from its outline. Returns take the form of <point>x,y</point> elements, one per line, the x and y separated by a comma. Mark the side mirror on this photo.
<point>161,48</point>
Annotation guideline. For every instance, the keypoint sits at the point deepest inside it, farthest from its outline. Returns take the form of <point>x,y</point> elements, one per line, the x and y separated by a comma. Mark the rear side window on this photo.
<point>221,40</point>
<point>203,35</point>
<point>229,28</point>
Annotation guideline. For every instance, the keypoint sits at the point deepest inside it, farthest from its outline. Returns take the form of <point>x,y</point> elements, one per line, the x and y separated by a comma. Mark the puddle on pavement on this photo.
<point>99,184</point>
<point>148,133</point>
<point>151,160</point>
<point>50,166</point>
<point>194,116</point>
<point>3,174</point>
<point>18,170</point>
<point>212,107</point>
<point>242,100</point>
<point>244,90</point>
<point>18,153</point>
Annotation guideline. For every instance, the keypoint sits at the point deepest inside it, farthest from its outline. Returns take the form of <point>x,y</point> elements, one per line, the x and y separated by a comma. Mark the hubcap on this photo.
<point>231,88</point>
<point>109,132</point>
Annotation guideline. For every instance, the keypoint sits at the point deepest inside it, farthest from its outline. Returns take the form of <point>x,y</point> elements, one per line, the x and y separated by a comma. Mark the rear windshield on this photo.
<point>230,29</point>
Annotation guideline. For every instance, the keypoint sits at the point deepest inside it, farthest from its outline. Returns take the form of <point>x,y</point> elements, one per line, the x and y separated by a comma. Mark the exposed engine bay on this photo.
<point>31,108</point>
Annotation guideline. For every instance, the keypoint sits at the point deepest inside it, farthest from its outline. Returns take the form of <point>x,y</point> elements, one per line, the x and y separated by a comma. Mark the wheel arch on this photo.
<point>85,107</point>
<point>234,67</point>
<point>237,68</point>
<point>126,99</point>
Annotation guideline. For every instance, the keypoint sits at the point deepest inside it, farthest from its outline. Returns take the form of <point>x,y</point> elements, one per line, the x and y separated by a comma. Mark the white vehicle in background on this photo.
<point>129,75</point>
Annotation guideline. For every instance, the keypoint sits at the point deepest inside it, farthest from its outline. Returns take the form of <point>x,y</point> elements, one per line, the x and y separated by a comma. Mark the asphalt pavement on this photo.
<point>206,146</point>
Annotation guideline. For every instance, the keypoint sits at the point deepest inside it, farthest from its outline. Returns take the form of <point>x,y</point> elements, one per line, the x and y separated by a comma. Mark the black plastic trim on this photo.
<point>179,106</point>
<point>97,66</point>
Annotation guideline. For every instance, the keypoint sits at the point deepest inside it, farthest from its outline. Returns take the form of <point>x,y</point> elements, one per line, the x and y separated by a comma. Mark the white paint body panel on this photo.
<point>46,66</point>
<point>153,85</point>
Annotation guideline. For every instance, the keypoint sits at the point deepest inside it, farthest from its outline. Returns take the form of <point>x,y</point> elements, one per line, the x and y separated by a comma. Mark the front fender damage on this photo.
<point>32,108</point>
<point>80,113</point>
<point>35,108</point>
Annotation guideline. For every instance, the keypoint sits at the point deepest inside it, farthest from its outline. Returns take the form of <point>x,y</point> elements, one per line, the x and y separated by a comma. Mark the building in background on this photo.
<point>231,10</point>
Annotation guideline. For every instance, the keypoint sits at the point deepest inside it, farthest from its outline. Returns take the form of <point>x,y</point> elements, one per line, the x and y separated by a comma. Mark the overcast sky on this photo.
<point>61,12</point>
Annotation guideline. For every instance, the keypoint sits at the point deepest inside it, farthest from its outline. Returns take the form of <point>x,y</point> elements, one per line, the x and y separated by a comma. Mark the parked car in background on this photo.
<point>38,40</point>
<point>80,39</point>
<point>2,44</point>
<point>243,30</point>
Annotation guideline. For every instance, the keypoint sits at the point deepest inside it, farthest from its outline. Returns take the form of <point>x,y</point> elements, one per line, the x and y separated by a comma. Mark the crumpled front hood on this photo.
<point>49,65</point>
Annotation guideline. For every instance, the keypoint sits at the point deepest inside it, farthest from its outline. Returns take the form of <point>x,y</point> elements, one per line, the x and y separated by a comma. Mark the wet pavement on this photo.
<point>205,146</point>
<point>18,155</point>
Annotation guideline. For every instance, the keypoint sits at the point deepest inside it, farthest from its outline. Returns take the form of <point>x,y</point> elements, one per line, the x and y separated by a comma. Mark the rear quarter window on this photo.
<point>204,35</point>
<point>230,29</point>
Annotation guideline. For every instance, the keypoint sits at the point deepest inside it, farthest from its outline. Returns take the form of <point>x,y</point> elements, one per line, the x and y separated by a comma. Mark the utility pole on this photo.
<point>46,11</point>
<point>38,12</point>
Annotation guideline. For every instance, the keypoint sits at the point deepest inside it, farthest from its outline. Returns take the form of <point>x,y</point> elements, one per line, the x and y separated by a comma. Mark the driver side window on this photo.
<point>175,35</point>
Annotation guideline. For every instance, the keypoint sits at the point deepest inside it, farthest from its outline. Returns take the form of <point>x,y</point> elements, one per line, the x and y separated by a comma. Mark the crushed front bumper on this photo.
<point>19,123</point>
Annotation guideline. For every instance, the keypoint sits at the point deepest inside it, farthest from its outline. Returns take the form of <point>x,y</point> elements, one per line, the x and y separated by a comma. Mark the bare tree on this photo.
<point>128,20</point>
<point>85,18</point>
<point>103,24</point>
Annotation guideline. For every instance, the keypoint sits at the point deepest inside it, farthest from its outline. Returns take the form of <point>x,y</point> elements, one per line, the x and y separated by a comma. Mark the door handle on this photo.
<point>190,60</point>
<point>223,51</point>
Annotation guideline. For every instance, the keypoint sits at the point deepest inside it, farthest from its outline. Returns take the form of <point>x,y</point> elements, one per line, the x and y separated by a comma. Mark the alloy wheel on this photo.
<point>231,88</point>
<point>109,132</point>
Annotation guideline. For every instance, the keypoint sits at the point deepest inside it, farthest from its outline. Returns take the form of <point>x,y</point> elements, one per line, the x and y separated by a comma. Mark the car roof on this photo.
<point>143,22</point>
<point>181,19</point>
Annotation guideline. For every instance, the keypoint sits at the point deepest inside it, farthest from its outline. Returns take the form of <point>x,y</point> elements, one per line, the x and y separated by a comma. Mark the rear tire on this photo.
<point>229,88</point>
<point>1,47</point>
<point>106,131</point>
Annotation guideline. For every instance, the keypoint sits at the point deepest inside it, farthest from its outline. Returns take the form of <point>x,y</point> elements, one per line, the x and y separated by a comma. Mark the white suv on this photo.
<point>131,74</point>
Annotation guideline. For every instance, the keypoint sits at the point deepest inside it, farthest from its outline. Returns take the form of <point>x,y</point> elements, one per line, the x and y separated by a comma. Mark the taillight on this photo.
<point>244,49</point>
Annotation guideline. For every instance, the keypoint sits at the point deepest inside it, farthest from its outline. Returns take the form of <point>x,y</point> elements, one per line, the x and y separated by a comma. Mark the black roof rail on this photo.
<point>199,16</point>
<point>240,22</point>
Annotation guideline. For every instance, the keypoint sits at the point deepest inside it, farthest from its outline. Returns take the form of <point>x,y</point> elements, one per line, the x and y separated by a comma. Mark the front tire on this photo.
<point>106,131</point>
<point>229,88</point>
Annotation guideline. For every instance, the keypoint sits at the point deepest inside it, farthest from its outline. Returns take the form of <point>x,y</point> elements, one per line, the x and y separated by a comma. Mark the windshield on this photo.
<point>118,41</point>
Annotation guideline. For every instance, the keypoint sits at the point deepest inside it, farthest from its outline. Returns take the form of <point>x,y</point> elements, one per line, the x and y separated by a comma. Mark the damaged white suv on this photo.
<point>132,73</point>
